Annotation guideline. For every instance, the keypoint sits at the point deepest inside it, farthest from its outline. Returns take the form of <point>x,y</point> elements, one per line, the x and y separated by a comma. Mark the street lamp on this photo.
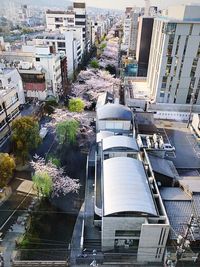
<point>191,107</point>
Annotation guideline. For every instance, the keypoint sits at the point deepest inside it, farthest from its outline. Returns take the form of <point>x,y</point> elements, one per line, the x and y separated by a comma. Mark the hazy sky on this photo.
<point>121,4</point>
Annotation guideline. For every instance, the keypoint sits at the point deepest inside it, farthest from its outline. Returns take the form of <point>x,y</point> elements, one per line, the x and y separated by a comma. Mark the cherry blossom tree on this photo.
<point>62,184</point>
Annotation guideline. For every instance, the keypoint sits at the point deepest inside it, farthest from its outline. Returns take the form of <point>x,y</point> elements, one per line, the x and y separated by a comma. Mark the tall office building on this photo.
<point>174,63</point>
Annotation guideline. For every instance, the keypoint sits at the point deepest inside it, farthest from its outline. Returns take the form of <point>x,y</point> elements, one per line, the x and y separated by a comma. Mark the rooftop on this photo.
<point>117,141</point>
<point>114,111</point>
<point>126,188</point>
<point>4,70</point>
<point>103,134</point>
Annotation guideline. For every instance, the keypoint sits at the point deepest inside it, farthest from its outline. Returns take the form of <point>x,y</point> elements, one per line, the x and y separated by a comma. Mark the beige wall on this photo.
<point>152,243</point>
<point>111,224</point>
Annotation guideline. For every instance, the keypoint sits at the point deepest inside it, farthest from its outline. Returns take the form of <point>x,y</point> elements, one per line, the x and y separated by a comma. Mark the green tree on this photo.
<point>67,131</point>
<point>43,183</point>
<point>76,105</point>
<point>103,46</point>
<point>54,160</point>
<point>7,165</point>
<point>94,64</point>
<point>25,137</point>
<point>49,106</point>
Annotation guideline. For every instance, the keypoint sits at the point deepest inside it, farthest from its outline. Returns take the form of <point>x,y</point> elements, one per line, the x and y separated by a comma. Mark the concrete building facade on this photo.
<point>10,78</point>
<point>9,110</point>
<point>174,63</point>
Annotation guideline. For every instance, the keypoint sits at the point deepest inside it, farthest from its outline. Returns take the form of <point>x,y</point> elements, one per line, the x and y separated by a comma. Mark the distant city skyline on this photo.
<point>121,4</point>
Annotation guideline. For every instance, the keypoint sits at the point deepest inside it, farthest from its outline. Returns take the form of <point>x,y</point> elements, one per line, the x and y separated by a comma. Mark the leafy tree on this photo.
<point>54,160</point>
<point>25,137</point>
<point>94,64</point>
<point>49,106</point>
<point>76,105</point>
<point>7,165</point>
<point>111,69</point>
<point>43,183</point>
<point>67,131</point>
<point>103,46</point>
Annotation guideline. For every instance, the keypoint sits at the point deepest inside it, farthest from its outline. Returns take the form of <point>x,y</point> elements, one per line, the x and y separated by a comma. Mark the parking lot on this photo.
<point>187,153</point>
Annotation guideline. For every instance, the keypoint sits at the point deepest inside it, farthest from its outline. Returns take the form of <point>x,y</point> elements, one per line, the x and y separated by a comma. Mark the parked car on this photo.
<point>168,147</point>
<point>43,132</point>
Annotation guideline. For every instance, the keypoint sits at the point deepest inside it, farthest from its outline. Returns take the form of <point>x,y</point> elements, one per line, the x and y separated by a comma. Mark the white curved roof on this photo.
<point>120,141</point>
<point>126,188</point>
<point>114,111</point>
<point>103,134</point>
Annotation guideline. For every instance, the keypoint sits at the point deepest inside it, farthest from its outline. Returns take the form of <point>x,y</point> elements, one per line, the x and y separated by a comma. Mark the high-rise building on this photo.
<point>130,29</point>
<point>79,8</point>
<point>174,63</point>
<point>133,33</point>
<point>145,28</point>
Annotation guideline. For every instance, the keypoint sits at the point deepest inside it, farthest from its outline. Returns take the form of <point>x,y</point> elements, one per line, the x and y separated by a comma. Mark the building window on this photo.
<point>193,71</point>
<point>37,59</point>
<point>167,71</point>
<point>9,80</point>
<point>58,19</point>
<point>191,28</point>
<point>177,46</point>
<point>79,5</point>
<point>61,44</point>
<point>171,28</point>
<point>80,23</point>
<point>128,233</point>
<point>80,16</point>
<point>169,60</point>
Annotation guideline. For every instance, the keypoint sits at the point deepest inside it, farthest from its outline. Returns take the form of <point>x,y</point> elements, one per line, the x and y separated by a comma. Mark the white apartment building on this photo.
<point>9,110</point>
<point>67,43</point>
<point>174,63</point>
<point>43,76</point>
<point>10,78</point>
<point>126,31</point>
<point>57,19</point>
<point>130,30</point>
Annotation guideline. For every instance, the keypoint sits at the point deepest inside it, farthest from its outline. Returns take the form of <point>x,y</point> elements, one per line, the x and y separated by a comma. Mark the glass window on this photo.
<point>127,233</point>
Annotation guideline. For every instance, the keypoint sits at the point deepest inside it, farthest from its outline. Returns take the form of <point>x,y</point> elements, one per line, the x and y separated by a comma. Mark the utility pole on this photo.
<point>183,242</point>
<point>191,107</point>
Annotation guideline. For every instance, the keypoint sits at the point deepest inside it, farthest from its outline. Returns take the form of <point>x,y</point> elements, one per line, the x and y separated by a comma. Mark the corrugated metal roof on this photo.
<point>179,213</point>
<point>114,111</point>
<point>126,188</point>
<point>120,141</point>
<point>103,134</point>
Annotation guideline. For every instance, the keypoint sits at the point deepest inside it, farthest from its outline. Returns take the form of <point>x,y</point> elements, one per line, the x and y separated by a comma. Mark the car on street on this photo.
<point>168,147</point>
<point>43,132</point>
